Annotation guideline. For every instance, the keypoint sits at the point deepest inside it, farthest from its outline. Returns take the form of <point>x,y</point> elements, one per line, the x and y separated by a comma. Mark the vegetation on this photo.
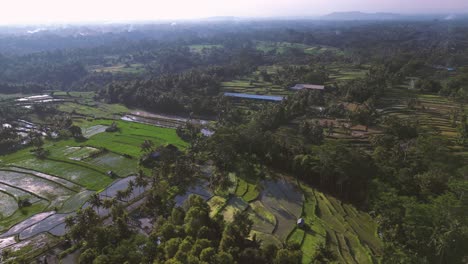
<point>371,169</point>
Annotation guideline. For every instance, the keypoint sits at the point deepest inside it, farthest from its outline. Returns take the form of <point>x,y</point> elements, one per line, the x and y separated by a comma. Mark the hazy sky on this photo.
<point>27,11</point>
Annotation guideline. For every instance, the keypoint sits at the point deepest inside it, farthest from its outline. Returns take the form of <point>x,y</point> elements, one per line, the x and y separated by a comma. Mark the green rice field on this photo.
<point>349,233</point>
<point>74,169</point>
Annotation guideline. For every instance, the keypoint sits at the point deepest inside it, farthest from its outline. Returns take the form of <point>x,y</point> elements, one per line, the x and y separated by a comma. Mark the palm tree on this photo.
<point>140,180</point>
<point>131,187</point>
<point>95,201</point>
<point>69,222</point>
<point>120,195</point>
<point>108,203</point>
<point>147,146</point>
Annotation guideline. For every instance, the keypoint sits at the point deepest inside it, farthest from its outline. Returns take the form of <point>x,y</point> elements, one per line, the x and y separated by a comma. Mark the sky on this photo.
<point>50,11</point>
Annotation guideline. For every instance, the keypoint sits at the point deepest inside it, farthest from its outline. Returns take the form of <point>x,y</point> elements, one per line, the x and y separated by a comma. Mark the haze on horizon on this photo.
<point>50,11</point>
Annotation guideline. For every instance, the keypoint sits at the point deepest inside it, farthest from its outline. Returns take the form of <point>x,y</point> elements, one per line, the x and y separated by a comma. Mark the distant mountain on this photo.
<point>360,16</point>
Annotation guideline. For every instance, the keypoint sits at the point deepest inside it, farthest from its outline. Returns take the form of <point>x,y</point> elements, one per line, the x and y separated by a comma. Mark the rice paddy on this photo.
<point>349,233</point>
<point>135,68</point>
<point>283,47</point>
<point>74,169</point>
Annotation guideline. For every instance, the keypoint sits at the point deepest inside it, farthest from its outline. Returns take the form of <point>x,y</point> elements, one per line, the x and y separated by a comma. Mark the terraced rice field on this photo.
<point>131,135</point>
<point>94,130</point>
<point>73,170</point>
<point>247,190</point>
<point>92,109</point>
<point>122,68</point>
<point>79,153</point>
<point>264,220</point>
<point>249,86</point>
<point>351,235</point>
<point>282,47</point>
<point>431,111</point>
<point>42,225</point>
<point>233,205</point>
<point>284,201</point>
<point>8,204</point>
<point>120,165</point>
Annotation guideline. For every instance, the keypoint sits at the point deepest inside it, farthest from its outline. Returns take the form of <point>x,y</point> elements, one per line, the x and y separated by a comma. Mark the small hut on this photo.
<point>300,222</point>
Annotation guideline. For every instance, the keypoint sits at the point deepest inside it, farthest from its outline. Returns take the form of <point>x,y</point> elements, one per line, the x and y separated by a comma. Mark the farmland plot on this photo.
<point>75,201</point>
<point>26,223</point>
<point>350,234</point>
<point>71,171</point>
<point>201,189</point>
<point>285,202</point>
<point>94,130</point>
<point>5,242</point>
<point>264,220</point>
<point>32,184</point>
<point>58,180</point>
<point>235,204</point>
<point>23,213</point>
<point>18,193</point>
<point>8,205</point>
<point>79,153</point>
<point>43,226</point>
<point>110,161</point>
<point>120,185</point>
<point>131,135</point>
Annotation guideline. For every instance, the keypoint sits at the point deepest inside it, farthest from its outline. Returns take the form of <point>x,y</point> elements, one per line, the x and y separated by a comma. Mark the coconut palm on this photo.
<point>95,201</point>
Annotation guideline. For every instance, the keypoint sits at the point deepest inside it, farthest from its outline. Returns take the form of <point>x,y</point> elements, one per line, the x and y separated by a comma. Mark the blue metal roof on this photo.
<point>255,96</point>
